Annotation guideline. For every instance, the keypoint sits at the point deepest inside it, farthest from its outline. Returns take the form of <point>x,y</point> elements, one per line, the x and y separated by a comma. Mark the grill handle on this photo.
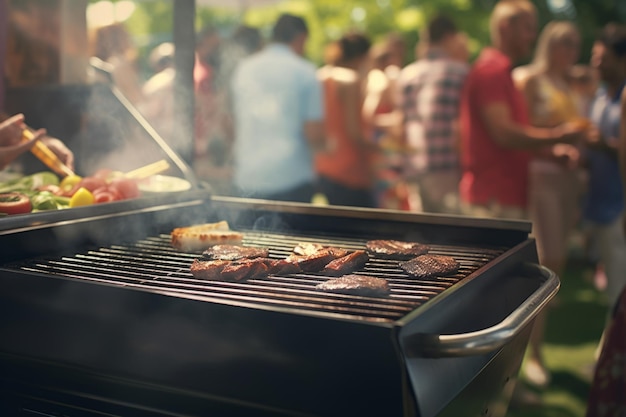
<point>492,338</point>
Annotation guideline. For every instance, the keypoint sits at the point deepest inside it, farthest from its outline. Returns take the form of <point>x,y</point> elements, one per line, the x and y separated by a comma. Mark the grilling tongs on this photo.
<point>52,161</point>
<point>45,155</point>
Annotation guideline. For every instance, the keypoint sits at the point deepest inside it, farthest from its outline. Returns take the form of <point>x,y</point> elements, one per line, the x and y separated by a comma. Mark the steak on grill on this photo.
<point>210,270</point>
<point>281,267</point>
<point>239,263</point>
<point>245,269</point>
<point>395,249</point>
<point>356,285</point>
<point>312,257</point>
<point>311,263</point>
<point>346,264</point>
<point>238,270</point>
<point>425,266</point>
<point>234,252</point>
<point>307,248</point>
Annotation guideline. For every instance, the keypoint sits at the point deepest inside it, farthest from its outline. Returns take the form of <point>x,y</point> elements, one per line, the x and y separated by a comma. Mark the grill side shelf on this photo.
<point>151,264</point>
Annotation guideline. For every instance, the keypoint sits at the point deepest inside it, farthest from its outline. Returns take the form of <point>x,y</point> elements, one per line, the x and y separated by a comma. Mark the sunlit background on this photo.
<point>102,13</point>
<point>150,21</point>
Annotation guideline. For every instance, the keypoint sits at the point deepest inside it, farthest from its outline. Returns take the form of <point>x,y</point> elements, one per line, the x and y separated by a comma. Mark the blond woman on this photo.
<point>554,187</point>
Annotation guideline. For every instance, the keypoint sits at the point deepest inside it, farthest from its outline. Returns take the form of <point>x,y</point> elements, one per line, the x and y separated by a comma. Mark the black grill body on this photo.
<point>102,316</point>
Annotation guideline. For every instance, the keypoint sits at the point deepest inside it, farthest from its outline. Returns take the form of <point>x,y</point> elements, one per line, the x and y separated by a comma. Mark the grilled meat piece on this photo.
<point>281,267</point>
<point>356,285</point>
<point>346,264</point>
<point>311,263</point>
<point>239,270</point>
<point>313,257</point>
<point>245,269</point>
<point>338,252</point>
<point>395,249</point>
<point>238,263</point>
<point>235,271</point>
<point>306,248</point>
<point>234,252</point>
<point>425,266</point>
<point>210,270</point>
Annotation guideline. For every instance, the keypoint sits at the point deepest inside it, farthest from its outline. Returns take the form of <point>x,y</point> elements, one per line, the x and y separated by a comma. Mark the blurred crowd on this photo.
<point>488,138</point>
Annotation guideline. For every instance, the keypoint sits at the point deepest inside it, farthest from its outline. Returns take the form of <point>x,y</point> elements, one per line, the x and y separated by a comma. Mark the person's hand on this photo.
<point>567,154</point>
<point>594,139</point>
<point>63,152</point>
<point>593,135</point>
<point>11,130</point>
<point>572,132</point>
<point>11,142</point>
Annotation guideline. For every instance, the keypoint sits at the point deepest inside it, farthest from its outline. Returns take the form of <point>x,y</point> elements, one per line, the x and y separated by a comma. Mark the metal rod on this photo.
<point>184,60</point>
<point>185,169</point>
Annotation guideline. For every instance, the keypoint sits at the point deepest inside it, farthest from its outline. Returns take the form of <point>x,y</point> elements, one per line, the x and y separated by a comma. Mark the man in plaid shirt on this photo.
<point>430,91</point>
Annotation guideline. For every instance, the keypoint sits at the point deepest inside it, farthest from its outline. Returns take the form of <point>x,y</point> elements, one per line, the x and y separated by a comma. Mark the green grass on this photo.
<point>574,327</point>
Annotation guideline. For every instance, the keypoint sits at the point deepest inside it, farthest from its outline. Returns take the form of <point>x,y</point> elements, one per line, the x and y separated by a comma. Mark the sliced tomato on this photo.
<point>14,203</point>
<point>106,195</point>
<point>107,174</point>
<point>92,183</point>
<point>126,187</point>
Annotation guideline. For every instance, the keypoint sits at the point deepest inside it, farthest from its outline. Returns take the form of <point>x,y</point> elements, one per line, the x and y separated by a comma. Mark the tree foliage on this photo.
<point>329,19</point>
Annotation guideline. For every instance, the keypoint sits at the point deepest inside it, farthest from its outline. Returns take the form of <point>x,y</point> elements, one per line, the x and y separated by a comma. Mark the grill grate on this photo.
<point>152,264</point>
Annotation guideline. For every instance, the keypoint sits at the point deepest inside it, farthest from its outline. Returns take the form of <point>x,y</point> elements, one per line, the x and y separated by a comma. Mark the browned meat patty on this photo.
<point>239,270</point>
<point>311,263</point>
<point>356,285</point>
<point>346,264</point>
<point>313,257</point>
<point>338,252</point>
<point>281,267</point>
<point>395,249</point>
<point>306,248</point>
<point>430,265</point>
<point>239,263</point>
<point>234,252</point>
<point>244,269</point>
<point>210,270</point>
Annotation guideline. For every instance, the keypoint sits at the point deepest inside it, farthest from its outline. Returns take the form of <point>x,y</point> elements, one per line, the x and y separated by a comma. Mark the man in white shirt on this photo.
<point>278,114</point>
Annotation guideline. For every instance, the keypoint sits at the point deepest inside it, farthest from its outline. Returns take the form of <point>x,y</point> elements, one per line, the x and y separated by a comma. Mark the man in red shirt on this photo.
<point>496,137</point>
<point>495,130</point>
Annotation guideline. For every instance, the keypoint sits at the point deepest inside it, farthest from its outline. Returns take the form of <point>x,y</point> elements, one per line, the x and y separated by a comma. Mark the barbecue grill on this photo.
<point>100,316</point>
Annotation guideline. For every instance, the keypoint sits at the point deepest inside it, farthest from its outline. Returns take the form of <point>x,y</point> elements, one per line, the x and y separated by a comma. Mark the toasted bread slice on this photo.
<point>205,227</point>
<point>199,237</point>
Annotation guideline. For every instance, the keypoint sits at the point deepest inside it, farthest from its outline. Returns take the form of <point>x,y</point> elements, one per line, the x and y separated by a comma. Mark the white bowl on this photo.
<point>158,184</point>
